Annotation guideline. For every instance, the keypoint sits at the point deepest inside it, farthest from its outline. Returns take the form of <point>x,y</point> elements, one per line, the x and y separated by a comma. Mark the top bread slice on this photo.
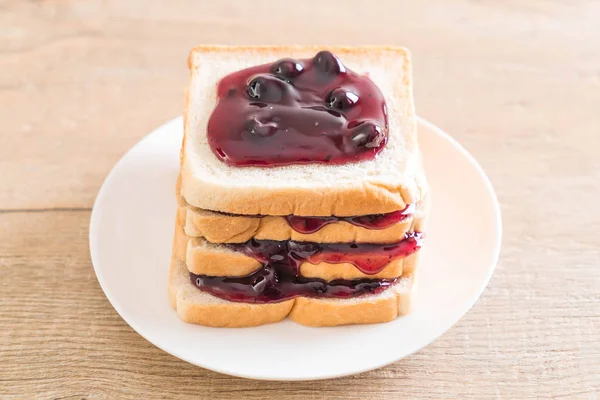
<point>390,181</point>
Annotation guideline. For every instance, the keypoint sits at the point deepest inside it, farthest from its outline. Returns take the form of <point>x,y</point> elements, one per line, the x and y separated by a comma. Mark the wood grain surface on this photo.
<point>516,82</point>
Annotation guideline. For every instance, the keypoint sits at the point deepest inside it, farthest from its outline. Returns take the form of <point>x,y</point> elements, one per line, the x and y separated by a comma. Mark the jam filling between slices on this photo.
<point>297,112</point>
<point>279,279</point>
<point>308,225</point>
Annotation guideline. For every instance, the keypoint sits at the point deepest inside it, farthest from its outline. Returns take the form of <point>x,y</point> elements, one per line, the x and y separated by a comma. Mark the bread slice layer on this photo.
<point>205,258</point>
<point>197,307</point>
<point>226,228</point>
<point>390,181</point>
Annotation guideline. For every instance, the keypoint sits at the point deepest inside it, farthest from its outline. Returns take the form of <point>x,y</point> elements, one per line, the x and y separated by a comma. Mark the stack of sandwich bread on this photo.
<point>301,192</point>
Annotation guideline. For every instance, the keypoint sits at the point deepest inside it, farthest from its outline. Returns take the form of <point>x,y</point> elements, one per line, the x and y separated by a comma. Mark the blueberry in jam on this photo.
<point>287,68</point>
<point>328,64</point>
<point>266,88</point>
<point>368,135</point>
<point>296,112</point>
<point>341,99</point>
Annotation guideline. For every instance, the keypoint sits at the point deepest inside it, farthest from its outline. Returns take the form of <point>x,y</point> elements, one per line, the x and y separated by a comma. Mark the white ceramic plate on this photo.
<point>130,243</point>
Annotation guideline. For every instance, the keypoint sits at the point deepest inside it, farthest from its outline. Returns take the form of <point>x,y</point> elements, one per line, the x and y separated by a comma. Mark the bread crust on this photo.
<point>363,197</point>
<point>321,312</point>
<point>201,260</point>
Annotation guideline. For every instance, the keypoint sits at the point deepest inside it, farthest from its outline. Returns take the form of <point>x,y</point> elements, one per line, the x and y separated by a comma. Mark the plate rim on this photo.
<point>94,221</point>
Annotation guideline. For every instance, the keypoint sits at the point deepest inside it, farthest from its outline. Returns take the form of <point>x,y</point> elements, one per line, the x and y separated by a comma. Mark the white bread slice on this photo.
<point>226,228</point>
<point>386,183</point>
<point>205,258</point>
<point>197,307</point>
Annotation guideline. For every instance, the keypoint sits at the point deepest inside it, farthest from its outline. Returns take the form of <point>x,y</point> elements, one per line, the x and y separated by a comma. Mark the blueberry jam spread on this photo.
<point>279,279</point>
<point>278,283</point>
<point>308,225</point>
<point>296,112</point>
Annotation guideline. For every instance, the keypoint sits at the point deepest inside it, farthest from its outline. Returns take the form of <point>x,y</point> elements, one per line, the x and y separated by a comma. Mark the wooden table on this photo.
<point>518,85</point>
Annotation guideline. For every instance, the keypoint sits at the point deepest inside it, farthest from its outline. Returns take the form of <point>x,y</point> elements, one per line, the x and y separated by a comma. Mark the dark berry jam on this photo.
<point>375,221</point>
<point>367,257</point>
<point>279,278</point>
<point>296,112</point>
<point>278,282</point>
